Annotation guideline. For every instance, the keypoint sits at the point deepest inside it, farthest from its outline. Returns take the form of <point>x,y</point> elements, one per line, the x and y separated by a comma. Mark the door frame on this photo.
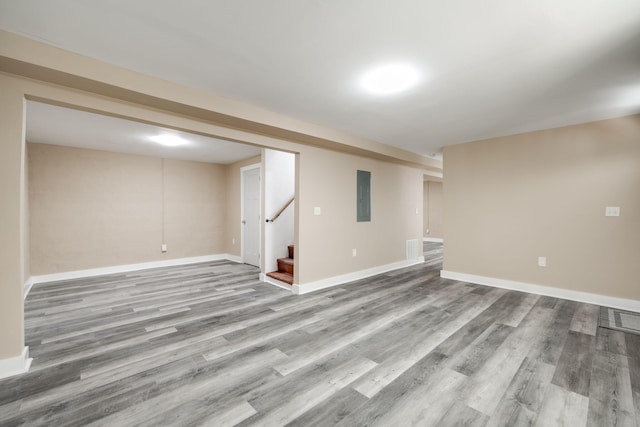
<point>242,171</point>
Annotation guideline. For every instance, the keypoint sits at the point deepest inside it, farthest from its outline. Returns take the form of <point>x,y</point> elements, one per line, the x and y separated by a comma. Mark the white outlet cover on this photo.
<point>542,261</point>
<point>317,211</point>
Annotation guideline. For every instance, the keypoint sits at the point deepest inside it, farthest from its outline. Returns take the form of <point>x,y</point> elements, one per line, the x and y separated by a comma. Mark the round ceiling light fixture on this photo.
<point>390,79</point>
<point>168,140</point>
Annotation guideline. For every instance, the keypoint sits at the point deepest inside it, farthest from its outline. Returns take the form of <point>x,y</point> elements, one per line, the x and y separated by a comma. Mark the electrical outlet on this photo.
<point>542,261</point>
<point>233,241</point>
<point>353,252</point>
<point>163,248</point>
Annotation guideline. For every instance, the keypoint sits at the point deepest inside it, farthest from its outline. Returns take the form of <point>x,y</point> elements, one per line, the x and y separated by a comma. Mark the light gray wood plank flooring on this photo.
<point>208,344</point>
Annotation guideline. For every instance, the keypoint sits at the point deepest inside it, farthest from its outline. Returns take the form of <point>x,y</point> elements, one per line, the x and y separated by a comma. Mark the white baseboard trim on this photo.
<point>270,280</point>
<point>433,239</point>
<point>234,258</point>
<point>350,277</point>
<point>27,287</point>
<point>15,365</point>
<point>586,297</point>
<point>78,274</point>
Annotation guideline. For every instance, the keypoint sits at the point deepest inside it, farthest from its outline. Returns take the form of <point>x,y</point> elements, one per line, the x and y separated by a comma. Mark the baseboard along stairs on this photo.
<point>285,268</point>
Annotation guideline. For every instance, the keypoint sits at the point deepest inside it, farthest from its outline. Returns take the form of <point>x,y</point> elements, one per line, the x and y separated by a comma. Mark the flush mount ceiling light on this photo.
<point>390,79</point>
<point>168,140</point>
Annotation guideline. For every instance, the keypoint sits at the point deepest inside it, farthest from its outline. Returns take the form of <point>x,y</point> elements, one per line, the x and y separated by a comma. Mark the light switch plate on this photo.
<point>612,211</point>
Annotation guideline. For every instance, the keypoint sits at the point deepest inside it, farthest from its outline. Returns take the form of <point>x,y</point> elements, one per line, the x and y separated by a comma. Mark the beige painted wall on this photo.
<point>94,209</point>
<point>195,208</point>
<point>328,180</point>
<point>509,200</point>
<point>233,226</point>
<point>432,208</point>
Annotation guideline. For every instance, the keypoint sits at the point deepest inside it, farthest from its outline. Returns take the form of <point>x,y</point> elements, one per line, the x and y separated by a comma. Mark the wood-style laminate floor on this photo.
<point>208,344</point>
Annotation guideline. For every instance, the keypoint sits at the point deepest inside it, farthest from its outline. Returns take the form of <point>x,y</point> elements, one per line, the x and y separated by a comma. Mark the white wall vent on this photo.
<point>412,249</point>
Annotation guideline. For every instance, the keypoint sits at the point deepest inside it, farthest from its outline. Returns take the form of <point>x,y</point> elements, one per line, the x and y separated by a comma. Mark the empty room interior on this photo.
<point>320,213</point>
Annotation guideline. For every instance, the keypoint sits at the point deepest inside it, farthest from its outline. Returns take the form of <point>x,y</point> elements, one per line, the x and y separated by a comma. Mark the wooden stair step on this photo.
<point>285,265</point>
<point>285,268</point>
<point>281,276</point>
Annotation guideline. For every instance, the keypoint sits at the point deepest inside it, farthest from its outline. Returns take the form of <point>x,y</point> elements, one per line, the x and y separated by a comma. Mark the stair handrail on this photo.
<point>281,210</point>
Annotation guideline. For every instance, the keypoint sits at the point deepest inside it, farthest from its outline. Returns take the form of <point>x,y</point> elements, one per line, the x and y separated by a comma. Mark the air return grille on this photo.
<point>412,249</point>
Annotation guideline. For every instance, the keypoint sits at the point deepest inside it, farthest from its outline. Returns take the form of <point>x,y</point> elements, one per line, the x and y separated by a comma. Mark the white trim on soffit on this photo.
<point>356,275</point>
<point>129,267</point>
<point>15,365</point>
<point>433,239</point>
<point>586,297</point>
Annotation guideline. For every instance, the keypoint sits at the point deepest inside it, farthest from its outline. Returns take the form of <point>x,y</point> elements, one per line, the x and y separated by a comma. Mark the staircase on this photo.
<point>285,268</point>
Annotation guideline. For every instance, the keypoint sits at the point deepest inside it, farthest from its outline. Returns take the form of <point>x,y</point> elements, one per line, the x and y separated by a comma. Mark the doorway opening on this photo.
<point>280,205</point>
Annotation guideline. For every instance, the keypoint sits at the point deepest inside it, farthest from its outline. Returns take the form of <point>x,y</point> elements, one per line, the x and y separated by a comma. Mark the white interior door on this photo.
<point>251,216</point>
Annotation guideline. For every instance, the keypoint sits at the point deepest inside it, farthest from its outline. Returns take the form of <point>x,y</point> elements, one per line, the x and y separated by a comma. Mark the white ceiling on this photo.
<point>489,68</point>
<point>48,124</point>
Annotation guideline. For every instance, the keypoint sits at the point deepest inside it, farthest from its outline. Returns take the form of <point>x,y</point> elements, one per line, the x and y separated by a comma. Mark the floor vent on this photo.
<point>412,249</point>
